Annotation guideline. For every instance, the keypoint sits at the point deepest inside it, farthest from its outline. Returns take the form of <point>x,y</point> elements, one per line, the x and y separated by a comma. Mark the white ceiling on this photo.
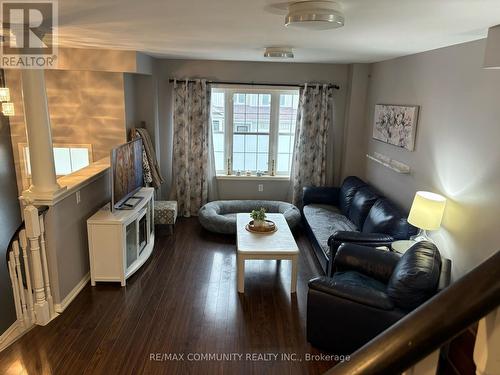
<point>374,30</point>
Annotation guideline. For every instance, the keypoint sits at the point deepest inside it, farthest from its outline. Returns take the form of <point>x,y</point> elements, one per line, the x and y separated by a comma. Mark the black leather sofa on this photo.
<point>370,290</point>
<point>354,213</point>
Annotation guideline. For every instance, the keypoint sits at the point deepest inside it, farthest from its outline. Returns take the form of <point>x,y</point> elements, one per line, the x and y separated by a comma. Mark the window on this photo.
<point>286,132</point>
<point>258,131</point>
<point>67,158</point>
<point>218,125</point>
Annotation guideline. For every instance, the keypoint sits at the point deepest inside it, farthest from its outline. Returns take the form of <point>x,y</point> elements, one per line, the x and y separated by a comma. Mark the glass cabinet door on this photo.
<point>131,243</point>
<point>152,217</point>
<point>143,232</point>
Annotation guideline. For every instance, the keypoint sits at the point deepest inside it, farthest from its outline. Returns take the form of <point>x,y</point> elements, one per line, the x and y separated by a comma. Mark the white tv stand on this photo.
<point>120,242</point>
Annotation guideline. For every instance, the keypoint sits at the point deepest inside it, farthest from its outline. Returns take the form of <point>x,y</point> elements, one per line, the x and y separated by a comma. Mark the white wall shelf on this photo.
<point>387,162</point>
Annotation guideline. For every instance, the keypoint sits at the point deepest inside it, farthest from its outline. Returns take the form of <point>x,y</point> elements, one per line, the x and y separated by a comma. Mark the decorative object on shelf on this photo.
<point>259,217</point>
<point>8,109</point>
<point>387,162</point>
<point>260,173</point>
<point>273,168</point>
<point>492,53</point>
<point>268,227</point>
<point>248,173</point>
<point>238,173</point>
<point>396,125</point>
<point>426,214</point>
<point>229,166</point>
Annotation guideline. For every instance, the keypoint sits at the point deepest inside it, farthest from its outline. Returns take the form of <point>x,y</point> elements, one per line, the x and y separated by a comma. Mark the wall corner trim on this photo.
<point>60,307</point>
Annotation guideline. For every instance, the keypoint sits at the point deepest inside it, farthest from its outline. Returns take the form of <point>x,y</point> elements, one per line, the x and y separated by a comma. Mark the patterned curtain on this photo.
<point>191,145</point>
<point>313,121</point>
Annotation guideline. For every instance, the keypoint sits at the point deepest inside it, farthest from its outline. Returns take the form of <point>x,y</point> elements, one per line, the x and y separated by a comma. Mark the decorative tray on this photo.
<point>269,228</point>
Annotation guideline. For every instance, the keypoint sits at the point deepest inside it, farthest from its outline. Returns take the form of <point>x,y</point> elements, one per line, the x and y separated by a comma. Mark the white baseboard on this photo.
<point>11,334</point>
<point>60,307</point>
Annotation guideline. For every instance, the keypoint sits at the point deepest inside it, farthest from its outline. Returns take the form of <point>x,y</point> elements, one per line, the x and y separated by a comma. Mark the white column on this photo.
<point>427,366</point>
<point>44,183</point>
<point>486,350</point>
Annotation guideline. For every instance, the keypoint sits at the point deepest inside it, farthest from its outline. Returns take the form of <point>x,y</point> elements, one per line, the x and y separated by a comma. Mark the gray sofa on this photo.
<point>220,216</point>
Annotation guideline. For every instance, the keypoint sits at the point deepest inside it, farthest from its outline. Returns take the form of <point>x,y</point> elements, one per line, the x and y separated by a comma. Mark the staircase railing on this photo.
<point>430,326</point>
<point>28,270</point>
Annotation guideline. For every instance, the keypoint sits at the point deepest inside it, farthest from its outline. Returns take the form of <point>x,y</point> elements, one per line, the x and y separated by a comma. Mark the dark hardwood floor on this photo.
<point>183,301</point>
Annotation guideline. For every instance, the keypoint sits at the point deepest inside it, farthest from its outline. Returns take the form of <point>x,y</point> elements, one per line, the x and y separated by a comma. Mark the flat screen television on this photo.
<point>126,174</point>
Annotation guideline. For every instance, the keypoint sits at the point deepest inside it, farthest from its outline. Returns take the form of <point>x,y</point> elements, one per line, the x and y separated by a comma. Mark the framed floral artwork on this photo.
<point>396,124</point>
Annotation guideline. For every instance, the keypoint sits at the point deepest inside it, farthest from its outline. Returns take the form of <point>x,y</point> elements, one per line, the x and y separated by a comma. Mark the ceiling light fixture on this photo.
<point>317,15</point>
<point>279,53</point>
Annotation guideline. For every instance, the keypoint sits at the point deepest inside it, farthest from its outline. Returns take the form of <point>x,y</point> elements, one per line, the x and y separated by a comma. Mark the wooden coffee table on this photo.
<point>275,246</point>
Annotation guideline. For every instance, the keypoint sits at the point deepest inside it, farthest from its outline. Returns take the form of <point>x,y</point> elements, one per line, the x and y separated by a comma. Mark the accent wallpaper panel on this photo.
<point>85,108</point>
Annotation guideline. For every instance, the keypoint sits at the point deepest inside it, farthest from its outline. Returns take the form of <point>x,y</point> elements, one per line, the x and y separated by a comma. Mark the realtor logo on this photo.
<point>29,34</point>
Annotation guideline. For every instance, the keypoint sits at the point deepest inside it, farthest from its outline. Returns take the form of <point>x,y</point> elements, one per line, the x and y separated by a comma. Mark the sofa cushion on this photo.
<point>363,201</point>
<point>416,276</point>
<point>325,220</point>
<point>347,191</point>
<point>384,217</point>
<point>356,287</point>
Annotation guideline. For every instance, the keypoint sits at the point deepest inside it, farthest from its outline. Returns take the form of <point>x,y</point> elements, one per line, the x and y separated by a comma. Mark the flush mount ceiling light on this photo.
<point>317,15</point>
<point>279,53</point>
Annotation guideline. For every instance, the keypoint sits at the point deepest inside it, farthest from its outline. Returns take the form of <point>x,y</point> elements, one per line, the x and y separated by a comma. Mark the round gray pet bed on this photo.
<point>220,216</point>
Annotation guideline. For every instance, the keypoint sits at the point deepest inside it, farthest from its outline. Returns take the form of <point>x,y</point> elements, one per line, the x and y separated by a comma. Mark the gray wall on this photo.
<point>457,152</point>
<point>140,102</point>
<point>233,71</point>
<point>354,147</point>
<point>10,219</point>
<point>67,243</point>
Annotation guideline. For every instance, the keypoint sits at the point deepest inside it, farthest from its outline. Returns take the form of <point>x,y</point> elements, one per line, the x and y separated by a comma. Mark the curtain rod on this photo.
<point>336,87</point>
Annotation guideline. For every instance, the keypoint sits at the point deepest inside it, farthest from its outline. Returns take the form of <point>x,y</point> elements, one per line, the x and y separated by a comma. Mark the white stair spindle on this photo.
<point>486,354</point>
<point>27,271</point>
<point>45,267</point>
<point>42,312</point>
<point>22,294</point>
<point>15,290</point>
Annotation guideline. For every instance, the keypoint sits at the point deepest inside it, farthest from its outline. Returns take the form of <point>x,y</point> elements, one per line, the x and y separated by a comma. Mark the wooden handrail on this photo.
<point>430,326</point>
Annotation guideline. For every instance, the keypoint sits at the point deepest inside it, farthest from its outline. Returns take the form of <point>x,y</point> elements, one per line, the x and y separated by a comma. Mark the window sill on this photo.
<point>251,178</point>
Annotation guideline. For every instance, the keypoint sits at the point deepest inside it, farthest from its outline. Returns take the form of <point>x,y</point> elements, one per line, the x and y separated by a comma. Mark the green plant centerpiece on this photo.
<point>259,217</point>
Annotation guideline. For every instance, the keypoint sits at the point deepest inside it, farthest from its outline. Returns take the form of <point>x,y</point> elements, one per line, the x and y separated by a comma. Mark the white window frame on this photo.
<point>275,93</point>
<point>24,162</point>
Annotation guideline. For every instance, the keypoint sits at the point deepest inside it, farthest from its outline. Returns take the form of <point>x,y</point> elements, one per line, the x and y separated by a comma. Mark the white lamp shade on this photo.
<point>4,94</point>
<point>8,109</point>
<point>427,210</point>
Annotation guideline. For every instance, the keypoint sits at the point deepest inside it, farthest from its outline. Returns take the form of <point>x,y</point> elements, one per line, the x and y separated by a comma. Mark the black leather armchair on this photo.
<point>370,290</point>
